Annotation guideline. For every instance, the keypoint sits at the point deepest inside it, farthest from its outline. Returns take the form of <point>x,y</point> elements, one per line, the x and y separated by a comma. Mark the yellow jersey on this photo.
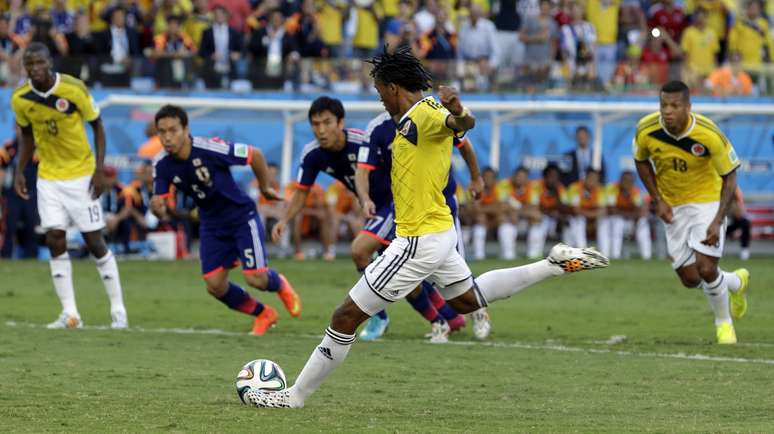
<point>57,119</point>
<point>421,160</point>
<point>688,168</point>
<point>700,47</point>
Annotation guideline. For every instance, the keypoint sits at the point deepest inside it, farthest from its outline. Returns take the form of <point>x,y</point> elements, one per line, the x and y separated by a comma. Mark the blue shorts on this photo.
<point>224,247</point>
<point>381,226</point>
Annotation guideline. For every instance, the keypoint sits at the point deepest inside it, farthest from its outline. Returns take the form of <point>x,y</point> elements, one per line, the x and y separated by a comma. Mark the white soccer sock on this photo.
<point>506,235</point>
<point>62,275</point>
<point>479,241</point>
<point>733,282</point>
<point>536,240</point>
<point>498,284</point>
<point>604,235</point>
<point>717,295</point>
<point>643,238</point>
<point>616,237</point>
<point>108,271</point>
<point>324,359</point>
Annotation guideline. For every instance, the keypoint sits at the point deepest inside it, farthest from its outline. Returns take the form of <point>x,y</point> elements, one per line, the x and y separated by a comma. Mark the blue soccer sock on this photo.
<point>382,315</point>
<point>447,312</point>
<point>275,283</point>
<point>238,299</point>
<point>424,305</point>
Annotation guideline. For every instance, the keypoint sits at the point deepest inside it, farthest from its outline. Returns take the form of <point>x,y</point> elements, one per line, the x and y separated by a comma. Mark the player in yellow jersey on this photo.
<point>50,110</point>
<point>689,168</point>
<point>425,245</point>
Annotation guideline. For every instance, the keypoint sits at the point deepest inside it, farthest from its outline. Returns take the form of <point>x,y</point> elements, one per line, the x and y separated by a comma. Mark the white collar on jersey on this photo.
<point>412,108</point>
<point>50,91</point>
<point>683,135</point>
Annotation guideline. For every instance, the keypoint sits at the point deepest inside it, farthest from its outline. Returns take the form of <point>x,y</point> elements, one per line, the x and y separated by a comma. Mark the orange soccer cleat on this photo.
<point>264,321</point>
<point>289,298</point>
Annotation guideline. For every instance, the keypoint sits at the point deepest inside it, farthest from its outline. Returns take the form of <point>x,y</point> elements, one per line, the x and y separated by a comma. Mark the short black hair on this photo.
<point>172,111</point>
<point>520,169</point>
<point>177,18</point>
<point>401,68</point>
<point>676,86</point>
<point>38,47</point>
<point>582,128</point>
<point>326,103</point>
<point>489,169</point>
<point>271,164</point>
<point>551,166</point>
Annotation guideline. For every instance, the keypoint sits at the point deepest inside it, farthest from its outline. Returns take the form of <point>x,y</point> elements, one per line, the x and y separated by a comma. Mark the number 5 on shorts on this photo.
<point>249,258</point>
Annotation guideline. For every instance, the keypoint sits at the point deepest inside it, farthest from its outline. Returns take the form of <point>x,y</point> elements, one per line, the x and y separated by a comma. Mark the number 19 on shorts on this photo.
<point>95,213</point>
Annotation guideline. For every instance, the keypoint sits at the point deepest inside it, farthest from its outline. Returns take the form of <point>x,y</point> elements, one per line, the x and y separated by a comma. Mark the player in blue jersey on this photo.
<point>230,229</point>
<point>335,151</point>
<point>376,157</point>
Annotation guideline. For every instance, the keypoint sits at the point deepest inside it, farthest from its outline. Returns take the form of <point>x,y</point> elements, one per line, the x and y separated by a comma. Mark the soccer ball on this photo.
<point>260,374</point>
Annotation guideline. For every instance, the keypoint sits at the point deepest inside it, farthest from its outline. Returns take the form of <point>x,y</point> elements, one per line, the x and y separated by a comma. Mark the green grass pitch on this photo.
<point>546,368</point>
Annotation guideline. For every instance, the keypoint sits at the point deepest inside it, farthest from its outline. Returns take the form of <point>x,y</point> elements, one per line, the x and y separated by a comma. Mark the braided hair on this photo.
<point>401,68</point>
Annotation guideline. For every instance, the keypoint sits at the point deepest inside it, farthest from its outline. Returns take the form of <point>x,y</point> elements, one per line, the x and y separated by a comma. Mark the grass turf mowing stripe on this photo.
<point>517,345</point>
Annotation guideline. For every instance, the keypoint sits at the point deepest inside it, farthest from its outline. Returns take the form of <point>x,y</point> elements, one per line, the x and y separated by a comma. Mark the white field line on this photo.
<point>518,345</point>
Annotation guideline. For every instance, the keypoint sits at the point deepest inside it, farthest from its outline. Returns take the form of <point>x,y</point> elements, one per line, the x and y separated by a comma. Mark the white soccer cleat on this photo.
<point>66,321</point>
<point>266,399</point>
<point>572,259</point>
<point>481,325</point>
<point>439,333</point>
<point>119,321</point>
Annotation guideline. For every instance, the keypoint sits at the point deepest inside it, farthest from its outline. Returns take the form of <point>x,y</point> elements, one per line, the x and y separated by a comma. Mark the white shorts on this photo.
<point>688,229</point>
<point>65,203</point>
<point>405,264</point>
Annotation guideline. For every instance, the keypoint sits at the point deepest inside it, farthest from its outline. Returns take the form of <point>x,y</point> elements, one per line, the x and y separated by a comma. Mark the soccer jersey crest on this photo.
<point>698,149</point>
<point>62,105</point>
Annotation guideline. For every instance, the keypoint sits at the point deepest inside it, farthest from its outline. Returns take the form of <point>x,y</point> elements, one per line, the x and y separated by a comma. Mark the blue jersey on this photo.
<point>341,165</point>
<point>376,153</point>
<point>206,177</point>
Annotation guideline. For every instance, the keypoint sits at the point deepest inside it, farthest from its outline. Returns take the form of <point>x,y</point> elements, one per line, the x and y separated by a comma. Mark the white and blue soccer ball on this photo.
<point>260,374</point>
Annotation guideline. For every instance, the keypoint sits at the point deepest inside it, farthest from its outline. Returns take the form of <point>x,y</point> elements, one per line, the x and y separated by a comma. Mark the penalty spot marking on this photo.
<point>518,345</point>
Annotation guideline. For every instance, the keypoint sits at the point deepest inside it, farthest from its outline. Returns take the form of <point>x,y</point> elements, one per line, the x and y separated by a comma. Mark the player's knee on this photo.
<point>708,271</point>
<point>257,280</point>
<point>217,287</point>
<point>347,317</point>
<point>465,303</point>
<point>361,256</point>
<point>56,242</point>
<point>690,281</point>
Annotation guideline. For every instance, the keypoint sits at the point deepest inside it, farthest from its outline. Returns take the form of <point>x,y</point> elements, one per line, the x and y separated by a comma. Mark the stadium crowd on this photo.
<point>723,47</point>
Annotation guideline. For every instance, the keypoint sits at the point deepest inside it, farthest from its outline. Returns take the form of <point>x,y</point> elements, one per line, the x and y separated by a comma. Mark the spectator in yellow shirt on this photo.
<point>750,37</point>
<point>330,17</point>
<point>603,16</point>
<point>366,37</point>
<point>699,46</point>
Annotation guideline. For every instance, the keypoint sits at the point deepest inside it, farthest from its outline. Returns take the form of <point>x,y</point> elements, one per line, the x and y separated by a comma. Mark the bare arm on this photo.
<point>97,182</point>
<point>726,198</point>
<point>362,185</point>
<point>295,207</point>
<point>26,147</point>
<point>261,171</point>
<point>648,177</point>
<point>461,119</point>
<point>469,155</point>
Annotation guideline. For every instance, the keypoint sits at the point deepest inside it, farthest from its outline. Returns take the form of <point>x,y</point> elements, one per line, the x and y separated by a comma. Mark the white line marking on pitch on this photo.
<point>519,345</point>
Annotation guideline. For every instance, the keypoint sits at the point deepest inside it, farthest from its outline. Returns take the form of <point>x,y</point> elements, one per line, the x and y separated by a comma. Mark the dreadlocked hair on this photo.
<point>401,68</point>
